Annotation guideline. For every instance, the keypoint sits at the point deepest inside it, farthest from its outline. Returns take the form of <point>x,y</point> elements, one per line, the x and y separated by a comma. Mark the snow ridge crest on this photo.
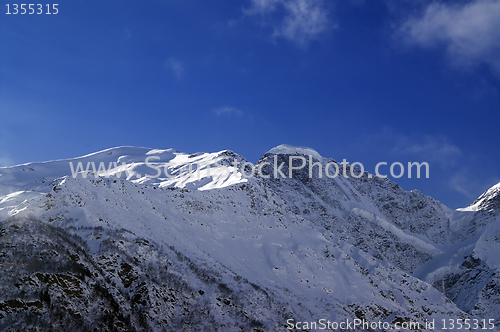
<point>295,150</point>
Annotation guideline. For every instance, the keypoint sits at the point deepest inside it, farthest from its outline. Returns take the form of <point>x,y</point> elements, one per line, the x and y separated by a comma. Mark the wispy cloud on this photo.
<point>302,21</point>
<point>466,182</point>
<point>433,148</point>
<point>462,182</point>
<point>470,32</point>
<point>262,7</point>
<point>227,110</point>
<point>175,66</point>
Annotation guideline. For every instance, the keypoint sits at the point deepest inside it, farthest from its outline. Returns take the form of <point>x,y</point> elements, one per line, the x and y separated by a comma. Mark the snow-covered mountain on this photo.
<point>159,240</point>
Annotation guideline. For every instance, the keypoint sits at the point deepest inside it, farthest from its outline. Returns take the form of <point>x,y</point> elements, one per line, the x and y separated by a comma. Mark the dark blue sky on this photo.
<point>367,81</point>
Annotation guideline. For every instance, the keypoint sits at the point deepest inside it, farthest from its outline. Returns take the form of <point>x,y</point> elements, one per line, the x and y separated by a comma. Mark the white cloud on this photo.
<point>470,32</point>
<point>303,20</point>
<point>467,183</point>
<point>462,183</point>
<point>227,110</point>
<point>433,148</point>
<point>175,66</point>
<point>262,7</point>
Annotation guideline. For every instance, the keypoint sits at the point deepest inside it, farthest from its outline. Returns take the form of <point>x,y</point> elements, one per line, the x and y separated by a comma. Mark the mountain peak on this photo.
<point>295,150</point>
<point>488,201</point>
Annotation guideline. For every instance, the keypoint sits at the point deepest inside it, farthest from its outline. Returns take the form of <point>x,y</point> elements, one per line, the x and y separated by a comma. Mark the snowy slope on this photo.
<point>469,271</point>
<point>488,201</point>
<point>195,171</point>
<point>316,248</point>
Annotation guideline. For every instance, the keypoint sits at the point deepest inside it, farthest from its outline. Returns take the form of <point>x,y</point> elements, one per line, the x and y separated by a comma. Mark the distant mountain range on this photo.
<point>159,240</point>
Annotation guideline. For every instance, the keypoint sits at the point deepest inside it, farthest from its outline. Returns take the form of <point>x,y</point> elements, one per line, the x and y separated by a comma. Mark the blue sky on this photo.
<point>367,81</point>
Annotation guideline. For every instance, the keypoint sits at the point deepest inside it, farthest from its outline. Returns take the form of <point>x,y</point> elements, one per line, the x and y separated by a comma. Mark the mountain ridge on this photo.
<point>291,237</point>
